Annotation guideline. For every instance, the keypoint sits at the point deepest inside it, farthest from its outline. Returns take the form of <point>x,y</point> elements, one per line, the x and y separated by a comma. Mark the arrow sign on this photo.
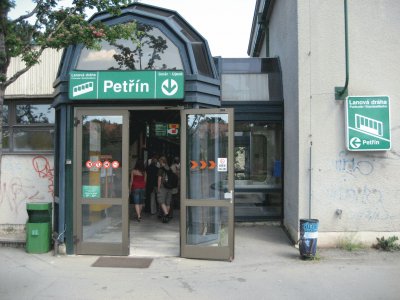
<point>194,164</point>
<point>169,87</point>
<point>203,164</point>
<point>355,142</point>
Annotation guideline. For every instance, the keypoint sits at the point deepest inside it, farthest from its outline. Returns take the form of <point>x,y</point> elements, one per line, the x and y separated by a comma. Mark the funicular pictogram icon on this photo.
<point>83,88</point>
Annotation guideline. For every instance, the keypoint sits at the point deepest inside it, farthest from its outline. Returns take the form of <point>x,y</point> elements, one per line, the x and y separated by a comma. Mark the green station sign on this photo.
<point>168,130</point>
<point>128,85</point>
<point>368,123</point>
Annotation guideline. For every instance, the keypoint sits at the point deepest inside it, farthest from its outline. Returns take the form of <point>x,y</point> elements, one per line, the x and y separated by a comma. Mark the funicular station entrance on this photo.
<point>167,96</point>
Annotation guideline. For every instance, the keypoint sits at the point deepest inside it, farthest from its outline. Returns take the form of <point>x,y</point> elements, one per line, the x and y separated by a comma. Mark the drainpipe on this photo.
<point>342,92</point>
<point>310,184</point>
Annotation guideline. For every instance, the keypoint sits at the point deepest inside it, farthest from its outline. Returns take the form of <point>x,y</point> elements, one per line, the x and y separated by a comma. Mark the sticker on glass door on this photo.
<point>222,164</point>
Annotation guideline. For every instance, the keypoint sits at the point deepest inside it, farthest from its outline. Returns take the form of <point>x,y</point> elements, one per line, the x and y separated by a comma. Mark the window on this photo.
<point>6,135</point>
<point>258,170</point>
<point>28,127</point>
<point>153,51</point>
<point>244,87</point>
<point>5,114</point>
<point>34,114</point>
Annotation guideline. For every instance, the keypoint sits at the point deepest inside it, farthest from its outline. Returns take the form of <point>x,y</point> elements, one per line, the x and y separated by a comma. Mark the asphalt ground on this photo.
<point>266,266</point>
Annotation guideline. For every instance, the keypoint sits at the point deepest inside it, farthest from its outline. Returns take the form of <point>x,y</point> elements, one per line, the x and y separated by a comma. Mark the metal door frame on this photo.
<point>101,248</point>
<point>207,252</point>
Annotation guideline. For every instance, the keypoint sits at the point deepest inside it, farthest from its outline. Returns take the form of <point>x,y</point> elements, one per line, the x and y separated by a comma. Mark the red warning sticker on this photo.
<point>106,164</point>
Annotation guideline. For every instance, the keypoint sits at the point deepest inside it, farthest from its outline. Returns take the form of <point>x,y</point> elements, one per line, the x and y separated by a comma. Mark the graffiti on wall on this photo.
<point>42,167</point>
<point>352,165</point>
<point>358,196</point>
<point>363,202</point>
<point>24,179</point>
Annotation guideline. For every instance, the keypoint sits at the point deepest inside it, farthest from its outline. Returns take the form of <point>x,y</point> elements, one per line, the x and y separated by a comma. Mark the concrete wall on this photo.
<point>321,176</point>
<point>283,43</point>
<point>25,178</point>
<point>362,185</point>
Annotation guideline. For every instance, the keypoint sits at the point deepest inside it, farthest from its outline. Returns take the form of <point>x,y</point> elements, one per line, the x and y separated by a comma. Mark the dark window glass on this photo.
<point>153,51</point>
<point>258,171</point>
<point>101,141</point>
<point>207,138</point>
<point>5,114</point>
<point>28,127</point>
<point>34,114</point>
<point>6,138</point>
<point>30,140</point>
<point>202,61</point>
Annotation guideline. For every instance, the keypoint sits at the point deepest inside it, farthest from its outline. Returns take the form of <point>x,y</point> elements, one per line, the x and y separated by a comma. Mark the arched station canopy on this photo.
<point>167,42</point>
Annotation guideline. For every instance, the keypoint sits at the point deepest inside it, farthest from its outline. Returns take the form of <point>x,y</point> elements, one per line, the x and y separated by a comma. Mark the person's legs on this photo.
<point>163,197</point>
<point>138,210</point>
<point>153,201</point>
<point>168,199</point>
<point>138,204</point>
<point>141,200</point>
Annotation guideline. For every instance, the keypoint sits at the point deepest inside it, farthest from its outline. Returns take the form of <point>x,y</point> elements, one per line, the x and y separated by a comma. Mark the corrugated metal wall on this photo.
<point>38,81</point>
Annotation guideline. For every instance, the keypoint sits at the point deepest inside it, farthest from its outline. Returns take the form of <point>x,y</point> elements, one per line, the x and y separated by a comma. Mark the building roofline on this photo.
<point>261,16</point>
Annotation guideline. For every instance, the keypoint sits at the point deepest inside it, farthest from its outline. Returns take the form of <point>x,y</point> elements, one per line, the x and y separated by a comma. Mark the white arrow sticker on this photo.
<point>169,87</point>
<point>355,142</point>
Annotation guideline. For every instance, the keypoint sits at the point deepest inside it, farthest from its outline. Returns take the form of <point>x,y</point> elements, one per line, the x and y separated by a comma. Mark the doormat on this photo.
<point>122,262</point>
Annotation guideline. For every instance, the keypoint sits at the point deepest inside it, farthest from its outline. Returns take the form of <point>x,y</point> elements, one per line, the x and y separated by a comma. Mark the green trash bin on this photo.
<point>38,228</point>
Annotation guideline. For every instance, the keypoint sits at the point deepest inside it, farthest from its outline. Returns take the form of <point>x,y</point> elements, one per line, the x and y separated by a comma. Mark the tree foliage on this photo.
<point>50,25</point>
<point>127,57</point>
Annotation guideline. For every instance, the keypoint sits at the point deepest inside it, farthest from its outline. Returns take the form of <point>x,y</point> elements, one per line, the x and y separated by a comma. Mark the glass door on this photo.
<point>101,181</point>
<point>207,185</point>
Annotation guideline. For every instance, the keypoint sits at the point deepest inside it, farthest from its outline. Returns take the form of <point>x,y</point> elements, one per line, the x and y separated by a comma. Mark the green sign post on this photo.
<point>129,85</point>
<point>368,123</point>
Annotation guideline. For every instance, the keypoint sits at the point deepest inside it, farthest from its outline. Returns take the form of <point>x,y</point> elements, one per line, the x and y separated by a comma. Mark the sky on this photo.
<point>225,24</point>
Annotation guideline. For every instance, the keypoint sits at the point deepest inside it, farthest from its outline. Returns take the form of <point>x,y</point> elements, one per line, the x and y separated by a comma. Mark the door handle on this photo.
<point>228,195</point>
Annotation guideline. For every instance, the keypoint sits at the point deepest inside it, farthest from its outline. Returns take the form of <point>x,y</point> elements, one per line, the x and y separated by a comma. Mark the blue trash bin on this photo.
<point>308,237</point>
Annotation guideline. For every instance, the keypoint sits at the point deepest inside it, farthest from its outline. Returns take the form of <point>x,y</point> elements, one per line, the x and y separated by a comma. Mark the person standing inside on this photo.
<point>138,185</point>
<point>151,184</point>
<point>164,194</point>
<point>175,168</point>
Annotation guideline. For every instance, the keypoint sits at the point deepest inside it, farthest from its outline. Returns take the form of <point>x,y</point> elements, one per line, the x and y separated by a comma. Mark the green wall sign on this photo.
<point>368,123</point>
<point>129,85</point>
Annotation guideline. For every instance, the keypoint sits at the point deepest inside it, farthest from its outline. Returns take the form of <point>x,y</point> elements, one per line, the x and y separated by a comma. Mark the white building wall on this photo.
<point>321,176</point>
<point>362,185</point>
<point>283,43</point>
<point>24,179</point>
<point>38,80</point>
<point>27,178</point>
